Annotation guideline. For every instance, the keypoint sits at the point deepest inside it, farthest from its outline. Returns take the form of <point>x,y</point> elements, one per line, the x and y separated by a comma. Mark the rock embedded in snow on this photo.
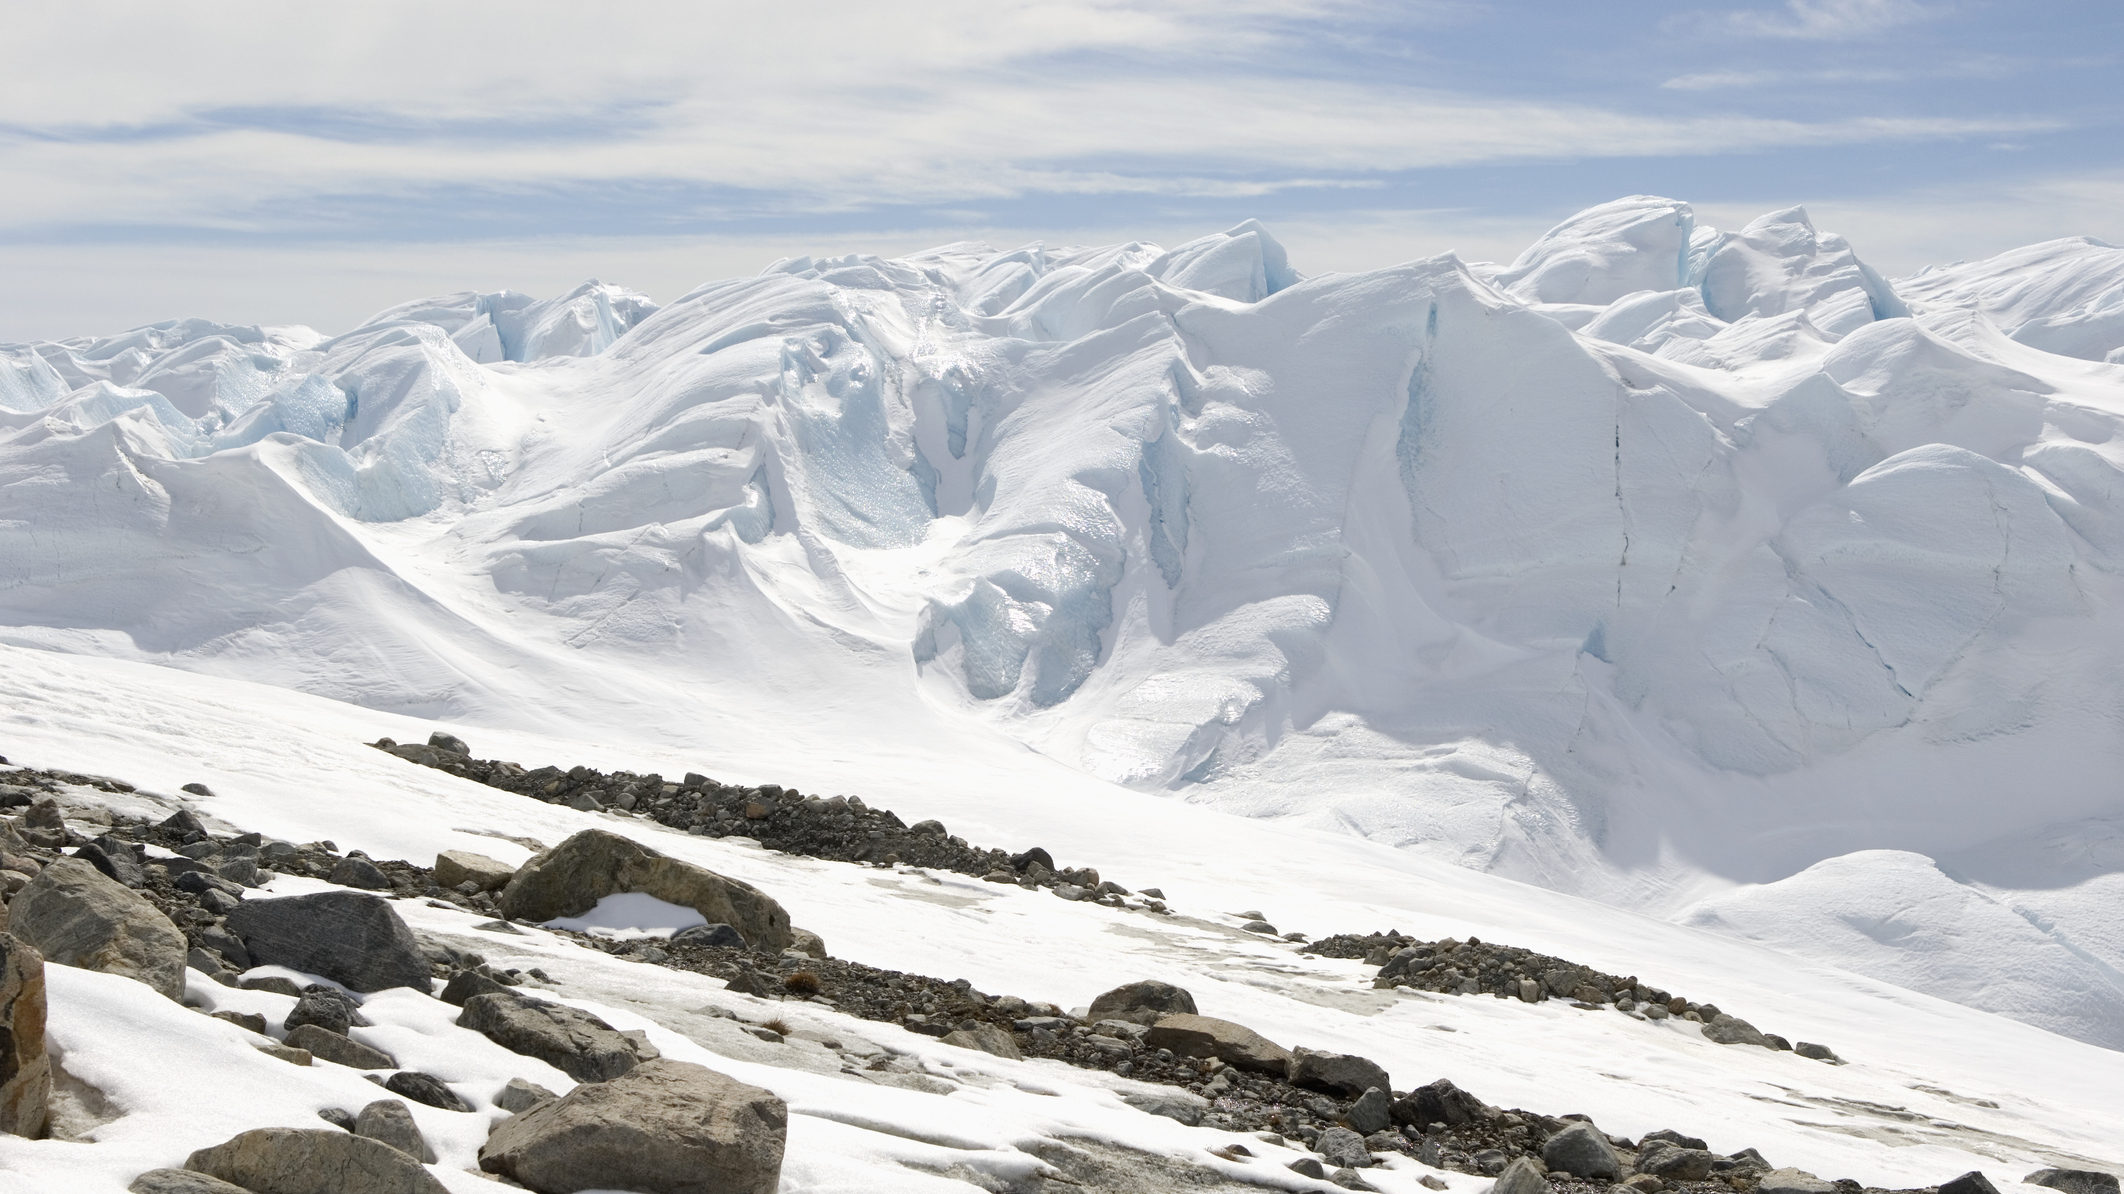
<point>2072,1181</point>
<point>465,984</point>
<point>573,1041</point>
<point>569,879</point>
<point>1814,1052</point>
<point>425,1088</point>
<point>338,1049</point>
<point>1174,1103</point>
<point>25,1067</point>
<point>390,1121</point>
<point>313,1161</point>
<point>75,915</point>
<point>352,938</point>
<point>449,742</point>
<point>326,1007</point>
<point>668,1127</point>
<point>1207,1036</point>
<point>1337,1073</point>
<point>1143,1002</point>
<point>1732,1030</point>
<point>1581,1151</point>
<point>455,867</point>
<point>1972,1182</point>
<point>181,1181</point>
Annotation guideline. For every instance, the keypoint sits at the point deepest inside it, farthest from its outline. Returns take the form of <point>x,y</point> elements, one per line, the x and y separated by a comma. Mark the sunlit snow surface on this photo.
<point>1660,565</point>
<point>629,914</point>
<point>1932,1089</point>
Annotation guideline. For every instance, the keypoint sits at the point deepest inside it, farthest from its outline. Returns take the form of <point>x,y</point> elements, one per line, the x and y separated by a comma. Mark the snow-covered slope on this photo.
<point>1659,566</point>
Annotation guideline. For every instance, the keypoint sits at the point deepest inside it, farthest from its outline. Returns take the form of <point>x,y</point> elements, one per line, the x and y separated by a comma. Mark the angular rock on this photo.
<point>325,1007</point>
<point>571,1040</point>
<point>519,1094</point>
<point>1972,1182</point>
<point>356,871</point>
<point>425,1088</point>
<point>1372,1112</point>
<point>720,936</point>
<point>1143,1002</point>
<point>75,915</point>
<point>1337,1073</point>
<point>449,742</point>
<point>668,1127</point>
<point>390,1121</point>
<point>337,1049</point>
<point>1581,1151</point>
<point>1207,1036</point>
<point>1308,1167</point>
<point>313,1161</point>
<point>25,1067</point>
<point>1343,1149</point>
<point>1671,1163</point>
<point>1793,1181</point>
<point>987,1038</point>
<point>1522,1177</point>
<point>1732,1030</point>
<point>115,861</point>
<point>808,943</point>
<point>453,867</point>
<point>1670,1136</point>
<point>466,983</point>
<point>350,937</point>
<point>1441,1102</point>
<point>180,1181</point>
<point>570,878</point>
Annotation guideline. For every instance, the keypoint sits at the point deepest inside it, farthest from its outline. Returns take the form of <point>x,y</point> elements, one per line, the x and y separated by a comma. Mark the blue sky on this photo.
<point>310,163</point>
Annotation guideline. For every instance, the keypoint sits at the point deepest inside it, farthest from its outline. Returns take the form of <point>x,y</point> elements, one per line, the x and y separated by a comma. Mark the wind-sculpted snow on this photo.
<point>1664,558</point>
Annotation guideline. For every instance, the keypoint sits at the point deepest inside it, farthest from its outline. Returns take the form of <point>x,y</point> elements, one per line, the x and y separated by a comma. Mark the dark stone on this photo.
<point>1972,1182</point>
<point>338,1117</point>
<point>117,863</point>
<point>425,1088</point>
<point>1142,1002</point>
<point>571,1040</point>
<point>325,1007</point>
<point>183,823</point>
<point>466,983</point>
<point>1343,1149</point>
<point>1030,858</point>
<point>1439,1103</point>
<point>199,881</point>
<point>2074,1181</point>
<point>351,938</point>
<point>356,871</point>
<point>450,742</point>
<point>719,935</point>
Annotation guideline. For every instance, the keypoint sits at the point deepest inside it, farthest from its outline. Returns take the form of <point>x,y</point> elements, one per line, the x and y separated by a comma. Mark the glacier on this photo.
<point>1707,573</point>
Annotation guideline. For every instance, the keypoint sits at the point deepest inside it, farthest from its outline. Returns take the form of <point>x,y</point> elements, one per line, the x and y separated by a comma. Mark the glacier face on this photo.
<point>1661,564</point>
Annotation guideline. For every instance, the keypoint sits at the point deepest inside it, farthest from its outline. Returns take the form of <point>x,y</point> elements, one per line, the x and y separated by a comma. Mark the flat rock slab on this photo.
<point>181,1181</point>
<point>313,1161</point>
<point>330,1046</point>
<point>354,939</point>
<point>453,867</point>
<point>666,1127</point>
<point>1207,1036</point>
<point>571,1040</point>
<point>1337,1073</point>
<point>76,915</point>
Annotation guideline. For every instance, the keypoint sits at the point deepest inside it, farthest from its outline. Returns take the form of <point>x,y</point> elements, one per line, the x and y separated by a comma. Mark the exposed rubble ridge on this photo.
<point>834,828</point>
<point>1476,967</point>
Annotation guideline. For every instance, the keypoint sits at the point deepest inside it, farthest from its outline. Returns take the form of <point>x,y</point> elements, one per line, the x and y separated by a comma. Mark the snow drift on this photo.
<point>1660,565</point>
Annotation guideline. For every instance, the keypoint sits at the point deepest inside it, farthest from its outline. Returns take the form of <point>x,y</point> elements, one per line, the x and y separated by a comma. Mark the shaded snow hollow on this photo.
<point>1659,565</point>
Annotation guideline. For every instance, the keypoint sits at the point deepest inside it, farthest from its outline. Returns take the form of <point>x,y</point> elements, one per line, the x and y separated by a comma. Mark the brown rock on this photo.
<point>1207,1036</point>
<point>313,1161</point>
<point>25,1067</point>
<point>569,879</point>
<point>75,915</point>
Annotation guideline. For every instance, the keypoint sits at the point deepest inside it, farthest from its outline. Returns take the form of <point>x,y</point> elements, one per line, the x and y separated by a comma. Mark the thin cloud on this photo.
<point>1829,20</point>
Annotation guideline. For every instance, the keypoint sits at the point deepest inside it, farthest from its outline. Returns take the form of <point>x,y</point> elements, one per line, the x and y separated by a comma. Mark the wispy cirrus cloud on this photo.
<point>1827,20</point>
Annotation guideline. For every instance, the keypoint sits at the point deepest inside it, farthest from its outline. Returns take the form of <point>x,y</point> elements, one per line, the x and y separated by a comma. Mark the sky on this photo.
<point>293,162</point>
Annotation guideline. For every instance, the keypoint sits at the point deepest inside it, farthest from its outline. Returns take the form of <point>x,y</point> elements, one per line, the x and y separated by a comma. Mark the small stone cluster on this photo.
<point>1477,967</point>
<point>834,828</point>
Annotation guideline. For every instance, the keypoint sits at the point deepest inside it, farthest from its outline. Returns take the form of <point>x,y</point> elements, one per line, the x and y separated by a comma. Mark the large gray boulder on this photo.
<point>569,879</point>
<point>25,1067</point>
<point>1440,1102</point>
<point>571,1040</point>
<point>1343,1149</point>
<point>453,867</point>
<point>987,1038</point>
<point>667,1127</point>
<point>1581,1151</point>
<point>313,1161</point>
<point>350,937</point>
<point>1337,1073</point>
<point>1672,1163</point>
<point>1142,1003</point>
<point>1732,1030</point>
<point>2074,1181</point>
<point>76,915</point>
<point>1207,1036</point>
